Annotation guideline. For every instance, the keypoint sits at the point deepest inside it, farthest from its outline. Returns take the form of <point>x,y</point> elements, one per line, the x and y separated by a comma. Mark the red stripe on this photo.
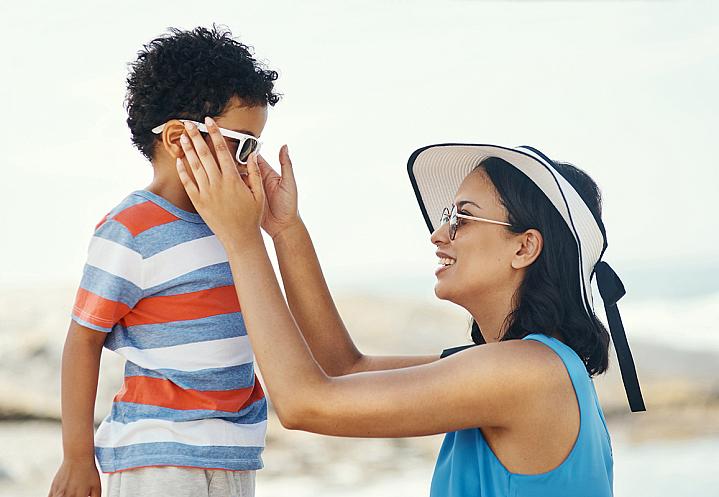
<point>164,393</point>
<point>143,216</point>
<point>185,306</point>
<point>98,310</point>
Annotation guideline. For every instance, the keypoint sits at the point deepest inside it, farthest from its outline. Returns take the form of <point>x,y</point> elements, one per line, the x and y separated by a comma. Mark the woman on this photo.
<point>520,412</point>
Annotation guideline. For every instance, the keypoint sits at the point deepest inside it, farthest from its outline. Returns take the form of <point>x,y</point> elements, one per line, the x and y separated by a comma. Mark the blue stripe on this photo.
<point>116,232</point>
<point>109,286</point>
<point>229,378</point>
<point>128,201</point>
<point>176,454</point>
<point>150,336</point>
<point>128,412</point>
<point>204,278</point>
<point>156,239</point>
<point>95,327</point>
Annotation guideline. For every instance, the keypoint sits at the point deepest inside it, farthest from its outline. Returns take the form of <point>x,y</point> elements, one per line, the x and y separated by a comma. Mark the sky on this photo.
<point>625,90</point>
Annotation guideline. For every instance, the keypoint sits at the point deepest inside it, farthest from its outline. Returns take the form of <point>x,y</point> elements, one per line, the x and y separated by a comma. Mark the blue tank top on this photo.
<point>466,465</point>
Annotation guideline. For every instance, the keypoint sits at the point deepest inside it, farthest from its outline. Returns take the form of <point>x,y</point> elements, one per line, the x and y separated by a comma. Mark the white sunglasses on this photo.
<point>246,144</point>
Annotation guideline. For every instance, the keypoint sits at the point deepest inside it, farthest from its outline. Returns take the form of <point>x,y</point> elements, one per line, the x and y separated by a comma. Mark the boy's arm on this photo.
<point>78,475</point>
<point>315,312</point>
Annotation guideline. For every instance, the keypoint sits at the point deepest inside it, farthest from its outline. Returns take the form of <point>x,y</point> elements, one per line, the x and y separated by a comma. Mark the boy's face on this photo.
<point>248,120</point>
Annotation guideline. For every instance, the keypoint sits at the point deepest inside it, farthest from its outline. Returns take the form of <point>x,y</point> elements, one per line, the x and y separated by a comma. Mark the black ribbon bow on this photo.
<point>611,289</point>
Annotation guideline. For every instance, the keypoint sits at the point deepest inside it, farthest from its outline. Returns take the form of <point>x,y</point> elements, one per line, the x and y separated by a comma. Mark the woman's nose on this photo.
<point>440,235</point>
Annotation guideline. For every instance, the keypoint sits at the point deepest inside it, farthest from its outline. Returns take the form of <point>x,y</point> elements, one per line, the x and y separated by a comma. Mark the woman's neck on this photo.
<point>491,313</point>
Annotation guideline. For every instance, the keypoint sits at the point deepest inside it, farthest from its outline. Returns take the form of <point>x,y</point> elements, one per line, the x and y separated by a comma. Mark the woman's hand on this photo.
<point>231,205</point>
<point>281,193</point>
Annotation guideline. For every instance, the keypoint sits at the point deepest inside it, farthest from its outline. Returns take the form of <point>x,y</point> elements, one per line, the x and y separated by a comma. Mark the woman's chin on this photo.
<point>441,291</point>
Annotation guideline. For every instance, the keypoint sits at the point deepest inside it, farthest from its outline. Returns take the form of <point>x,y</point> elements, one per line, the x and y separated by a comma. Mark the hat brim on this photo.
<point>437,171</point>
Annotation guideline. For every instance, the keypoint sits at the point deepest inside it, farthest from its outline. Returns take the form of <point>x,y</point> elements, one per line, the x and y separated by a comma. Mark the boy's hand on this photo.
<point>76,479</point>
<point>280,194</point>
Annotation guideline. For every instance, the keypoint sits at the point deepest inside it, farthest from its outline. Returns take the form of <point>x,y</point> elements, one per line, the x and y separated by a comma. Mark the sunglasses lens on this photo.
<point>249,146</point>
<point>453,223</point>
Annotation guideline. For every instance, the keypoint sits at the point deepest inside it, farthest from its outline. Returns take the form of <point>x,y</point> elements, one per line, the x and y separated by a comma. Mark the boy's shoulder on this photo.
<point>135,214</point>
<point>147,223</point>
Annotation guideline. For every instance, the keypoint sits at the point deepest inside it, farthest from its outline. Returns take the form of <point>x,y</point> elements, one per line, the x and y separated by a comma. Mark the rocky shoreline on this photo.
<point>681,390</point>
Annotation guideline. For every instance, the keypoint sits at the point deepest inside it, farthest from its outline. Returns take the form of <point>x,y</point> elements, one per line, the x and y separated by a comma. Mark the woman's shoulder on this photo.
<point>537,360</point>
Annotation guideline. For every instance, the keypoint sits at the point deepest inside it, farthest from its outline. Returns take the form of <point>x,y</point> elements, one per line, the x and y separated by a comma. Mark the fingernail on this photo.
<point>209,121</point>
<point>189,126</point>
<point>184,138</point>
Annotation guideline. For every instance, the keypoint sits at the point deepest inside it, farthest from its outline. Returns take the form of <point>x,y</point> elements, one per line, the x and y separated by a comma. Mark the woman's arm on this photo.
<point>78,476</point>
<point>315,312</point>
<point>482,386</point>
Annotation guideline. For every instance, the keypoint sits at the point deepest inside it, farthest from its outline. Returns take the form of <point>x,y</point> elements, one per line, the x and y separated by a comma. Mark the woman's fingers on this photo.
<point>207,161</point>
<point>227,162</point>
<point>187,182</point>
<point>265,168</point>
<point>254,179</point>
<point>198,170</point>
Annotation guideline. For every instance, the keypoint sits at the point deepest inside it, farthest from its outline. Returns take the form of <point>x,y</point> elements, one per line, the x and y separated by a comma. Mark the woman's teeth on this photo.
<point>446,262</point>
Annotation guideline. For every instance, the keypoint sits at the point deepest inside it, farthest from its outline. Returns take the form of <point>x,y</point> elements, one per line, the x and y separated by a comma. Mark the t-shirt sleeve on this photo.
<point>111,283</point>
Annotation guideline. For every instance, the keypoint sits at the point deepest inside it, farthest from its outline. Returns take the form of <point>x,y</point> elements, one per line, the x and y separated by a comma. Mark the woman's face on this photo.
<point>478,262</point>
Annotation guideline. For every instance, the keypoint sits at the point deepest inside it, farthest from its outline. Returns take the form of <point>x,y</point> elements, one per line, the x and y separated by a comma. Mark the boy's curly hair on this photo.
<point>190,75</point>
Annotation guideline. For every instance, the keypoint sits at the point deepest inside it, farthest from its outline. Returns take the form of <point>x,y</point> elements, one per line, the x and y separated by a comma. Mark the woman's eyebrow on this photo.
<point>462,202</point>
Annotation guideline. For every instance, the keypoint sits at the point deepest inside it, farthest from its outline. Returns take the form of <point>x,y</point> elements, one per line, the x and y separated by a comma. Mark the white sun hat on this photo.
<point>436,172</point>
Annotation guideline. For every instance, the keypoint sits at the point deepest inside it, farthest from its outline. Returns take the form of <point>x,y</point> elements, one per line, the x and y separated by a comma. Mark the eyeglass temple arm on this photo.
<point>158,129</point>
<point>464,216</point>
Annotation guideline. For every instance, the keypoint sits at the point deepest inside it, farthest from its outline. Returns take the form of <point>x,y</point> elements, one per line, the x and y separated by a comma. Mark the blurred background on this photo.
<point>627,90</point>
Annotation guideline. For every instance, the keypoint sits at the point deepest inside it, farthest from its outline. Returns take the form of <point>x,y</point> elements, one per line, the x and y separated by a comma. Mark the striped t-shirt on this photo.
<point>158,282</point>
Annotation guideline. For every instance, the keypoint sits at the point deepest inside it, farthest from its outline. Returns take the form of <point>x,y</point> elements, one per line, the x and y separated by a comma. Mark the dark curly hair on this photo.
<point>549,299</point>
<point>190,75</point>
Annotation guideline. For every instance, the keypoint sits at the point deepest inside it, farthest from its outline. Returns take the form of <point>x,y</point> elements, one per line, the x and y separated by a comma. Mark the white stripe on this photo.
<point>221,353</point>
<point>211,431</point>
<point>181,259</point>
<point>164,266</point>
<point>116,259</point>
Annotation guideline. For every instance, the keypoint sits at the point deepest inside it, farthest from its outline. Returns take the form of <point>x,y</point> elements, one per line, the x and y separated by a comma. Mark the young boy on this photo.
<point>190,419</point>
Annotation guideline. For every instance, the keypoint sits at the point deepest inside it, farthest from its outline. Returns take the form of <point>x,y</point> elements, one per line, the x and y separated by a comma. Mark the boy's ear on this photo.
<point>171,138</point>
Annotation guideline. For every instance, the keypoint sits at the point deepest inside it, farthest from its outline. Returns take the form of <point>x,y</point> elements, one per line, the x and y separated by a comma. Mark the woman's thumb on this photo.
<point>286,164</point>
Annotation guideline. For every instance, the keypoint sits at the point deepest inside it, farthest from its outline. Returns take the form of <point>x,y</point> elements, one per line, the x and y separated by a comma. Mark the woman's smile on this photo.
<point>444,262</point>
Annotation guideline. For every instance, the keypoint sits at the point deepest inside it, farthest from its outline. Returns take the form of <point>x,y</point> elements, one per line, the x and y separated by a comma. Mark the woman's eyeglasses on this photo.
<point>246,144</point>
<point>452,217</point>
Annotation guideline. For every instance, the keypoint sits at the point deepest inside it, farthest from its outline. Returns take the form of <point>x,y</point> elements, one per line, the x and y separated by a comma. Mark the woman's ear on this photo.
<point>171,138</point>
<point>531,243</point>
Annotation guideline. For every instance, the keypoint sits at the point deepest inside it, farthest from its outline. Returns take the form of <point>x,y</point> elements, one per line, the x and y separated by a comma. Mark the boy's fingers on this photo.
<point>187,182</point>
<point>198,169</point>
<point>203,152</point>
<point>227,162</point>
